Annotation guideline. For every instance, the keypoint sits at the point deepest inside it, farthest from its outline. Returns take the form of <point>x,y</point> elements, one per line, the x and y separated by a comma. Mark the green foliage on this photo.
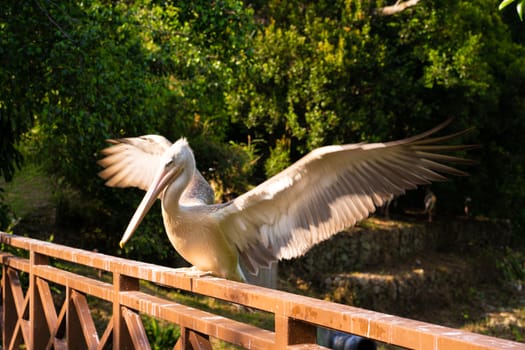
<point>279,157</point>
<point>131,69</point>
<point>162,335</point>
<point>5,217</point>
<point>19,58</point>
<point>16,96</point>
<point>512,266</point>
<point>10,156</point>
<point>297,92</point>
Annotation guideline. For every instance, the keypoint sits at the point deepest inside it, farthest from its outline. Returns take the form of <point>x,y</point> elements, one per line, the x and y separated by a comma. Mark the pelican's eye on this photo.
<point>169,163</point>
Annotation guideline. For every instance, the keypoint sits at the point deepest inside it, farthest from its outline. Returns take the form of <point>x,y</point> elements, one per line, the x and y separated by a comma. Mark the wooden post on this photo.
<point>289,331</point>
<point>121,337</point>
<point>39,333</point>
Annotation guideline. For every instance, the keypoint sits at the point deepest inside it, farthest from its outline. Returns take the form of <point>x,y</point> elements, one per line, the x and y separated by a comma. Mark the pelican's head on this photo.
<point>177,163</point>
<point>177,159</point>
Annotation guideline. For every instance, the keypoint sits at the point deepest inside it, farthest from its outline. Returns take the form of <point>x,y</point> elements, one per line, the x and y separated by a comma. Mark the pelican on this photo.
<point>326,191</point>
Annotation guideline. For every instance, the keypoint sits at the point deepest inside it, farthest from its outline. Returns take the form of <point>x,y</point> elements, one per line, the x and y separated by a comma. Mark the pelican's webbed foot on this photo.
<point>193,272</point>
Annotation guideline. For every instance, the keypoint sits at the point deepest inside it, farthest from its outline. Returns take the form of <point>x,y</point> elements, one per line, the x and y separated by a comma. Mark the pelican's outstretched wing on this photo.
<point>132,162</point>
<point>331,189</point>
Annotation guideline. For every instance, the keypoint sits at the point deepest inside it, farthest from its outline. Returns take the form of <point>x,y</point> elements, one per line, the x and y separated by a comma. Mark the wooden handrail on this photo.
<point>29,319</point>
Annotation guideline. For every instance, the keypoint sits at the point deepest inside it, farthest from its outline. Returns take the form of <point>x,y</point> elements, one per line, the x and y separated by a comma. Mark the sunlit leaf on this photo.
<point>519,8</point>
<point>505,3</point>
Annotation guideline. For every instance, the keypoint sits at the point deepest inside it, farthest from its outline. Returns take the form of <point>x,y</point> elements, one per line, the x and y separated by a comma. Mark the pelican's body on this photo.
<point>206,247</point>
<point>326,191</point>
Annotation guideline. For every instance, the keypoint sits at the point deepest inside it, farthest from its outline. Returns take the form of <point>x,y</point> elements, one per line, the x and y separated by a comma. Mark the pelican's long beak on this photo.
<point>163,178</point>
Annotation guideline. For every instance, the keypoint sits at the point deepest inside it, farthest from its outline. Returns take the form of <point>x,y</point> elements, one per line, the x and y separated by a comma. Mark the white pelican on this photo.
<point>328,190</point>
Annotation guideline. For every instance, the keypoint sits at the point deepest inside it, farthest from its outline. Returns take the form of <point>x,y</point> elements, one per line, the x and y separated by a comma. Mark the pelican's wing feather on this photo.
<point>132,162</point>
<point>331,189</point>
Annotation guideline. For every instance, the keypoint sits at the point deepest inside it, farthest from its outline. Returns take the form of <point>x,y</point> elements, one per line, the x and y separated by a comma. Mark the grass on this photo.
<point>29,189</point>
<point>504,324</point>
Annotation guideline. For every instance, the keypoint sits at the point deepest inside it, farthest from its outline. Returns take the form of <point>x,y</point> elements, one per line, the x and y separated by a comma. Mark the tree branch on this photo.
<point>399,6</point>
<point>52,20</point>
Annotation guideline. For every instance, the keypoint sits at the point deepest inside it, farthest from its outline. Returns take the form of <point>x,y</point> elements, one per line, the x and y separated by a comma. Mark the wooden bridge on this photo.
<point>30,319</point>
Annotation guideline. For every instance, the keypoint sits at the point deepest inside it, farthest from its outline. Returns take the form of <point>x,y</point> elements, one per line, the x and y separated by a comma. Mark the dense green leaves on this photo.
<point>82,72</point>
<point>348,76</point>
<point>22,44</point>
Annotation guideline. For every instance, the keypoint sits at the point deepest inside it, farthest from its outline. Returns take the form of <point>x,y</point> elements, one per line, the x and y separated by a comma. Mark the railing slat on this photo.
<point>57,336</point>
<point>86,323</point>
<point>83,284</point>
<point>106,336</point>
<point>136,329</point>
<point>47,302</point>
<point>22,333</point>
<point>15,262</point>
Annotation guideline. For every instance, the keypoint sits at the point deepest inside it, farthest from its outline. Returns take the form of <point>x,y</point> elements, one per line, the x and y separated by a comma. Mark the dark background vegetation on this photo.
<point>254,85</point>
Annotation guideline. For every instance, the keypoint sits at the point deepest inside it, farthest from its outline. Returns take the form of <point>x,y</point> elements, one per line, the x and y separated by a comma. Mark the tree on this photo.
<point>22,44</point>
<point>102,69</point>
<point>18,97</point>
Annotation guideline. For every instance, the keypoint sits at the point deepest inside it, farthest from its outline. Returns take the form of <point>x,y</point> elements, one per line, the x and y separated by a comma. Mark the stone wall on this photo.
<point>378,242</point>
<point>396,267</point>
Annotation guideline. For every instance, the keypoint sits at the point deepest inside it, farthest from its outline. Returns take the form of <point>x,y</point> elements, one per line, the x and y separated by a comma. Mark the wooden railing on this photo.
<point>30,319</point>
